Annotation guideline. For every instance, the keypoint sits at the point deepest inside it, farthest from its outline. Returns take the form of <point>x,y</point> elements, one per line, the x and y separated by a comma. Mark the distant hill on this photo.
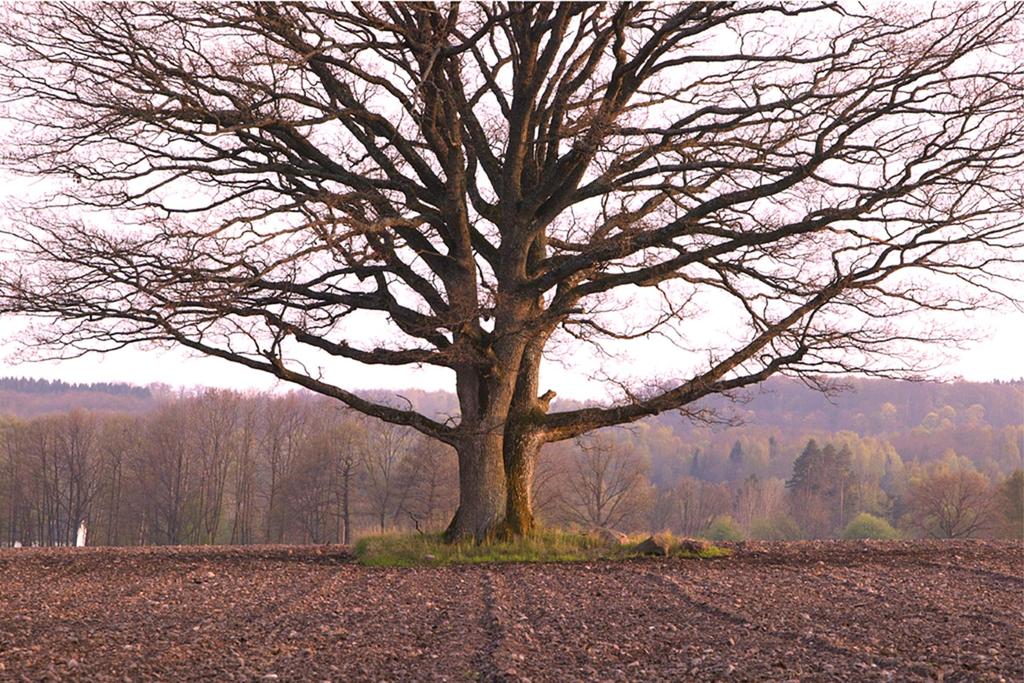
<point>788,406</point>
<point>869,406</point>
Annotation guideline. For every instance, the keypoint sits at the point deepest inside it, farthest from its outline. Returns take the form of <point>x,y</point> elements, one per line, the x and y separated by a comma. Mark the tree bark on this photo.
<point>485,400</point>
<point>523,439</point>
<point>482,488</point>
<point>522,444</point>
<point>481,491</point>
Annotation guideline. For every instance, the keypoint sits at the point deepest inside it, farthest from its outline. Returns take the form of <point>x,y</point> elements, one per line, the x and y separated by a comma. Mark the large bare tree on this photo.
<point>252,180</point>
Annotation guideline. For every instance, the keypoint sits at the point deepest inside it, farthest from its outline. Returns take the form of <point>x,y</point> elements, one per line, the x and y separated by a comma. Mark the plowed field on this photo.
<point>861,611</point>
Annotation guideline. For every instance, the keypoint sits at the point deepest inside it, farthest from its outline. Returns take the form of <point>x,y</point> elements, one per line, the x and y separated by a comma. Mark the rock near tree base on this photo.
<point>653,545</point>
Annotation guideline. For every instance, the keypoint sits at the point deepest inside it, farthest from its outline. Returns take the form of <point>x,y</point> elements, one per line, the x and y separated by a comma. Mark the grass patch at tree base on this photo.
<point>546,545</point>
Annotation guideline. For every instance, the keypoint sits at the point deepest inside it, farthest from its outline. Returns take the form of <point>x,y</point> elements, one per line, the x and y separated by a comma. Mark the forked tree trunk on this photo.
<point>497,456</point>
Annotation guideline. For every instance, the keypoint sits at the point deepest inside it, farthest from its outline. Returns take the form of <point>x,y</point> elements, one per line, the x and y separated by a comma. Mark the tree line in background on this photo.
<point>33,385</point>
<point>216,466</point>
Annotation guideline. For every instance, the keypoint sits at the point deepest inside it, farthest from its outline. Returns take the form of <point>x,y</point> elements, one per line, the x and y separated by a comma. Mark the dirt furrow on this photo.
<point>595,623</point>
<point>897,620</point>
<point>733,616</point>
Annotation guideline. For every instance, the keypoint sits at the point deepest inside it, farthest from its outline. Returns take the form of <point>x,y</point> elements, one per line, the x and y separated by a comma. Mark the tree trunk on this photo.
<point>498,408</point>
<point>345,513</point>
<point>520,457</point>
<point>481,489</point>
<point>523,442</point>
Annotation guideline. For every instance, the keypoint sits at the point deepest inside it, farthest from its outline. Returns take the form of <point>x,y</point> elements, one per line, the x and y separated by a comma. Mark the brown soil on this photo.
<point>811,611</point>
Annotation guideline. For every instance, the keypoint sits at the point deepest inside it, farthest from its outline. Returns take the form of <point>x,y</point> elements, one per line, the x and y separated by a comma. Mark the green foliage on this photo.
<point>866,525</point>
<point>547,545</point>
<point>724,528</point>
<point>777,528</point>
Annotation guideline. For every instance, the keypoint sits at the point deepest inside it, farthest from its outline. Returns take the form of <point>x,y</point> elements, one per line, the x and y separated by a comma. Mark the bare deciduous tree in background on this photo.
<point>346,437</point>
<point>429,475</point>
<point>696,503</point>
<point>954,503</point>
<point>252,180</point>
<point>285,425</point>
<point>382,480</point>
<point>145,479</point>
<point>606,485</point>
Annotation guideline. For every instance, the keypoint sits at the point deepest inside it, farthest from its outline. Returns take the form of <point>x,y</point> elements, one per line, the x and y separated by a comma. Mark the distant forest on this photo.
<point>151,465</point>
<point>28,385</point>
<point>26,397</point>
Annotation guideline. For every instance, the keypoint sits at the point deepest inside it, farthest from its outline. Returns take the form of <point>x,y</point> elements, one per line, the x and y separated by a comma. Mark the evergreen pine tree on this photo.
<point>736,460</point>
<point>695,468</point>
<point>806,469</point>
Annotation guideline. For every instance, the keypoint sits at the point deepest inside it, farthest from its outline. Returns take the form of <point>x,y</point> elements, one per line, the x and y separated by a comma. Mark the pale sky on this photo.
<point>999,356</point>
